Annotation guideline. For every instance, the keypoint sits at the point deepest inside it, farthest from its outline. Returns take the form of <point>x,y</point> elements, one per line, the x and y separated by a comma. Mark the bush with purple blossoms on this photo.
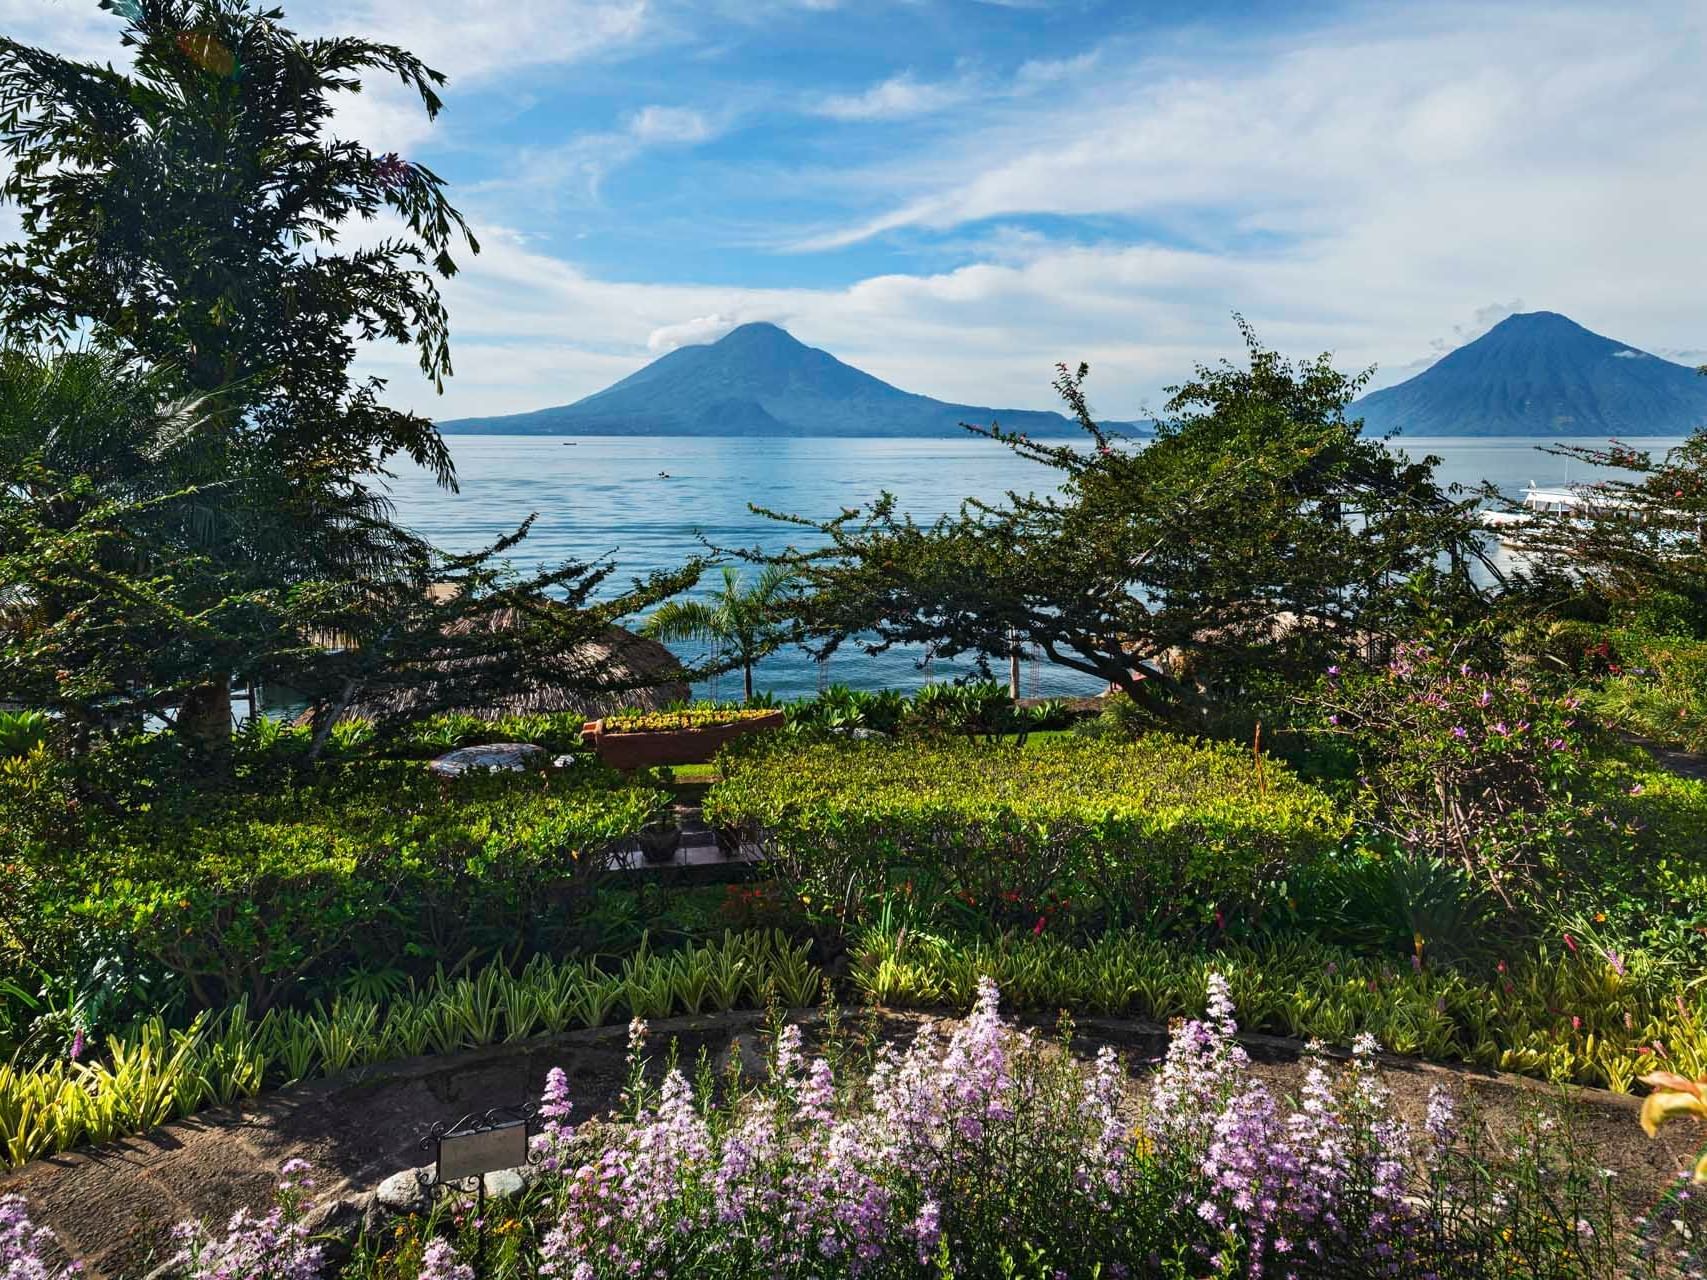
<point>274,1245</point>
<point>987,1151</point>
<point>1458,761</point>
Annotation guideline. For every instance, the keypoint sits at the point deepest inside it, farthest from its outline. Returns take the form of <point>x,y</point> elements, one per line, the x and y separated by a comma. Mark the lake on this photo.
<point>605,497</point>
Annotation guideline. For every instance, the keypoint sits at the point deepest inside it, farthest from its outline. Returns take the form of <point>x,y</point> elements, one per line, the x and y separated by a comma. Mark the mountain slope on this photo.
<point>758,380</point>
<point>1542,374</point>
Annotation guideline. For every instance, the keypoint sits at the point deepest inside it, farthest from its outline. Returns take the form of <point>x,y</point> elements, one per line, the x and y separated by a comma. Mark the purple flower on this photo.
<point>24,1246</point>
<point>77,1044</point>
<point>1458,731</point>
<point>439,1262</point>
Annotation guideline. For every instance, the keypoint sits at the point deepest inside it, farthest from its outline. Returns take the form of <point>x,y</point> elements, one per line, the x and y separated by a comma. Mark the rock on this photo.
<point>337,1223</point>
<point>504,1184</point>
<point>866,735</point>
<point>407,1192</point>
<point>745,1057</point>
<point>496,756</point>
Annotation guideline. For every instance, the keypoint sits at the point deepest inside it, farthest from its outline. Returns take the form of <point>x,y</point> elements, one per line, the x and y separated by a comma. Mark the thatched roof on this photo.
<point>599,677</point>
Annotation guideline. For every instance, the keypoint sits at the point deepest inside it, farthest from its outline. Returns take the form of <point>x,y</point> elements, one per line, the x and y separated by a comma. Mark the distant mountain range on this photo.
<point>1535,374</point>
<point>758,380</point>
<point>1541,374</point>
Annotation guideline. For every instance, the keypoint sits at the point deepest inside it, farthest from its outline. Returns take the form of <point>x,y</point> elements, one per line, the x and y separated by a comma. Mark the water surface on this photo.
<point>605,497</point>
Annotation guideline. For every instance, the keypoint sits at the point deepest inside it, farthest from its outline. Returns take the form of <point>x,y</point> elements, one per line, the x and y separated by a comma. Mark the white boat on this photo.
<point>1570,501</point>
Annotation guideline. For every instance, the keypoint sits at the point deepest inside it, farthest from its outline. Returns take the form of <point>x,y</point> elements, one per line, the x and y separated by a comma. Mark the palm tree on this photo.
<point>748,621</point>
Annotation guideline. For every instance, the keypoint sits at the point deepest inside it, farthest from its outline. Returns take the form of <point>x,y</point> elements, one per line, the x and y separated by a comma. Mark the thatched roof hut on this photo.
<point>618,670</point>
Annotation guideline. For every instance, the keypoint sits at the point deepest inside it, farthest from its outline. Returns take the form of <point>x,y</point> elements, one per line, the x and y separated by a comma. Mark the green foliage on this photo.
<point>747,621</point>
<point>190,213</point>
<point>1394,901</point>
<point>216,159</point>
<point>22,732</point>
<point>1256,529</point>
<point>1642,681</point>
<point>1564,1013</point>
<point>153,1073</point>
<point>1158,830</point>
<point>269,895</point>
<point>975,708</point>
<point>1636,551</point>
<point>1459,761</point>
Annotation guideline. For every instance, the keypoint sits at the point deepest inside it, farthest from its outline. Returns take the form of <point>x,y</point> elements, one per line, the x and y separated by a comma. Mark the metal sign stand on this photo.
<point>480,1143</point>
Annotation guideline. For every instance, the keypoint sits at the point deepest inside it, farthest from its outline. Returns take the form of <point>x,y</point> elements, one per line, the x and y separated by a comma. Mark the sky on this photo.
<point>956,194</point>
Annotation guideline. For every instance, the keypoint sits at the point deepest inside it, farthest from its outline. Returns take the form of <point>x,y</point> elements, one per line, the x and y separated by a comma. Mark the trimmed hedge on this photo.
<point>382,868</point>
<point>1161,831</point>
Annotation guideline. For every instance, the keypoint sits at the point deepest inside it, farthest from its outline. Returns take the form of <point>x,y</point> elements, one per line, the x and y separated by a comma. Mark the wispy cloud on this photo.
<point>667,125</point>
<point>895,98</point>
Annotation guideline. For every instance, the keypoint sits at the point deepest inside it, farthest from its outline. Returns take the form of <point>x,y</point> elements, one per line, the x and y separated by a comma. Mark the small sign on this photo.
<point>473,1152</point>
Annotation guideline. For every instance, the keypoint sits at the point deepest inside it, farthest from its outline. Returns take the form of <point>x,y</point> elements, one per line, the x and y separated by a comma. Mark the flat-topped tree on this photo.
<point>193,210</point>
<point>1257,529</point>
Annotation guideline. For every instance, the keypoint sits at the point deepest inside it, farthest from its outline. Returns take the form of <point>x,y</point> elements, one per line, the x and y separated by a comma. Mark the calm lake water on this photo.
<point>604,497</point>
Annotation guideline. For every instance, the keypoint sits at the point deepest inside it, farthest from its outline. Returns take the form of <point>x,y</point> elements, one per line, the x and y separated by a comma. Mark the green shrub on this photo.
<point>152,1073</point>
<point>1567,1012</point>
<point>21,732</point>
<point>262,895</point>
<point>1158,830</point>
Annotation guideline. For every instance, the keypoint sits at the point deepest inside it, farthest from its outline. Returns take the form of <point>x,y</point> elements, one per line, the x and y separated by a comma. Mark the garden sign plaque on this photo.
<point>481,1143</point>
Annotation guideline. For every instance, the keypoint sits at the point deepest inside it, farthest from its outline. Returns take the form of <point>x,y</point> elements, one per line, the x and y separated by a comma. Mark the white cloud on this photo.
<point>690,333</point>
<point>656,124</point>
<point>895,98</point>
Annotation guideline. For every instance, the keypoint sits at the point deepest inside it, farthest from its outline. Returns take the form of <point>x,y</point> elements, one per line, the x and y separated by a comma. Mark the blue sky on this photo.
<point>955,194</point>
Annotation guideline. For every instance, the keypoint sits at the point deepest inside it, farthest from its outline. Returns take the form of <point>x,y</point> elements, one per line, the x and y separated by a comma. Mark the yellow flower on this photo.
<point>1674,1095</point>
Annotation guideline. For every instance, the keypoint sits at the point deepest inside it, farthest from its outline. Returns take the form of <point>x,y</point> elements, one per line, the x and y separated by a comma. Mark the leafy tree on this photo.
<point>748,621</point>
<point>109,505</point>
<point>1257,529</point>
<point>192,211</point>
<point>117,519</point>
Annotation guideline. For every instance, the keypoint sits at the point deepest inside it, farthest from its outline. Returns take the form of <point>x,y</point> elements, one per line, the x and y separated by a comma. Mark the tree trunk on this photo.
<point>204,721</point>
<point>747,680</point>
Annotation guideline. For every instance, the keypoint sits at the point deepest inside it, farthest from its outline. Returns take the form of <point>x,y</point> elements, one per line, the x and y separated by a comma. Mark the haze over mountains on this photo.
<point>1534,374</point>
<point>758,380</point>
<point>1542,374</point>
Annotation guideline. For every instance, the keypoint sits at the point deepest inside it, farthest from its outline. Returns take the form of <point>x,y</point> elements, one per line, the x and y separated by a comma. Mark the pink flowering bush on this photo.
<point>1460,762</point>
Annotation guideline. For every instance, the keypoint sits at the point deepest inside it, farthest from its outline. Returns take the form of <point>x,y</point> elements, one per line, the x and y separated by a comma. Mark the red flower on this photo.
<point>1037,929</point>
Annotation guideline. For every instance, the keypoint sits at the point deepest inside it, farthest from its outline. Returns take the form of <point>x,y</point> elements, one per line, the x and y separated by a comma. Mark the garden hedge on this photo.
<point>1160,831</point>
<point>380,871</point>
